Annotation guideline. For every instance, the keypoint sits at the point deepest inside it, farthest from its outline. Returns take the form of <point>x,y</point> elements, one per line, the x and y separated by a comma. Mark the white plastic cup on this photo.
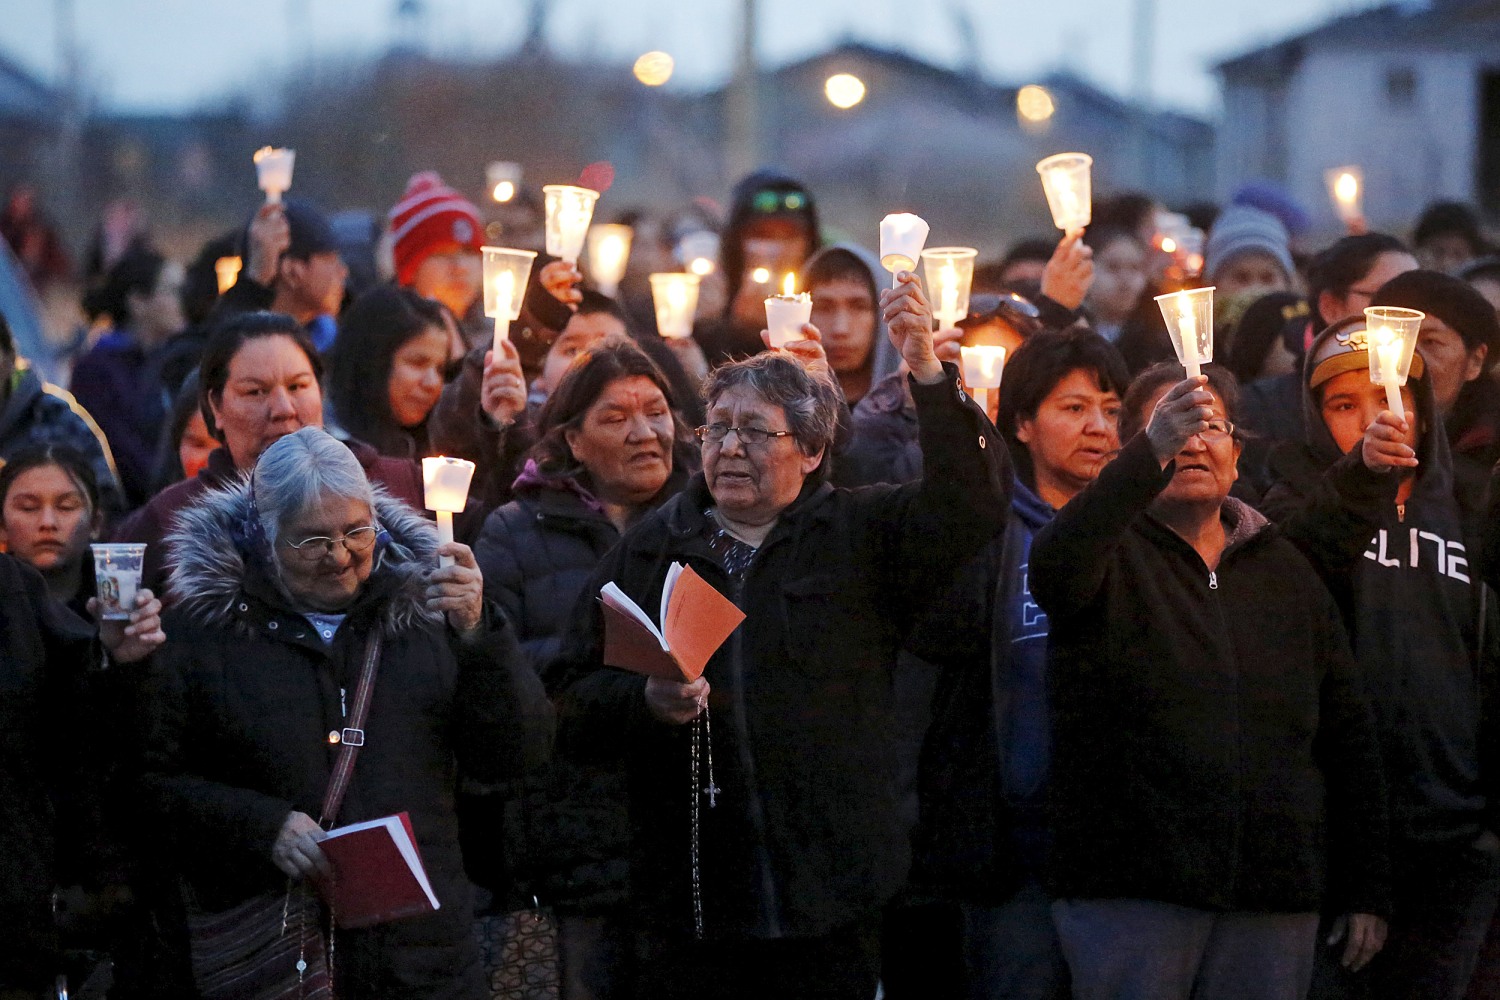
<point>902,237</point>
<point>569,210</point>
<point>1190,323</point>
<point>117,577</point>
<point>273,171</point>
<point>1066,179</point>
<point>1391,339</point>
<point>785,317</point>
<point>675,296</point>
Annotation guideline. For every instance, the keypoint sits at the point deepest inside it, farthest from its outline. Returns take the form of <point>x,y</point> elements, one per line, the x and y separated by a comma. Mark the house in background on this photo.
<point>1409,92</point>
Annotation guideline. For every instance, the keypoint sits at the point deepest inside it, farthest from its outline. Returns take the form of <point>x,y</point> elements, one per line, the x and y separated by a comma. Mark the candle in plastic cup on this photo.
<point>950,276</point>
<point>608,253</point>
<point>902,237</point>
<point>227,272</point>
<point>982,365</point>
<point>1190,324</point>
<point>785,317</point>
<point>273,171</point>
<point>1391,338</point>
<point>506,273</point>
<point>675,297</point>
<point>446,486</point>
<point>117,576</point>
<point>1346,186</point>
<point>569,210</point>
<point>1067,184</point>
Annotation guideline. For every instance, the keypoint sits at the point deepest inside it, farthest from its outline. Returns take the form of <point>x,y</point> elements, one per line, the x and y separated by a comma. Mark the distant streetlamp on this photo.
<point>1034,104</point>
<point>503,178</point>
<point>844,90</point>
<point>654,68</point>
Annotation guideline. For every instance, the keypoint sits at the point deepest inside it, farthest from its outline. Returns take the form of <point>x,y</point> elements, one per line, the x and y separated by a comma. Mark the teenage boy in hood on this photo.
<point>844,281</point>
<point>1371,499</point>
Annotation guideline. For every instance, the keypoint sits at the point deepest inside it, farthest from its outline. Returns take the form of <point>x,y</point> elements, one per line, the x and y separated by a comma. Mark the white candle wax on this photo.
<point>445,534</point>
<point>505,293</point>
<point>1389,357</point>
<point>948,300</point>
<point>1188,330</point>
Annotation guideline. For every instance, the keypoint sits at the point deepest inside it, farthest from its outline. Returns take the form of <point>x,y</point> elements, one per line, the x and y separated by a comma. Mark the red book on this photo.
<point>377,873</point>
<point>695,621</point>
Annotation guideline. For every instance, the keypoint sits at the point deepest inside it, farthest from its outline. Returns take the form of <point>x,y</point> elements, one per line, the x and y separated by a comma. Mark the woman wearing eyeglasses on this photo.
<point>282,580</point>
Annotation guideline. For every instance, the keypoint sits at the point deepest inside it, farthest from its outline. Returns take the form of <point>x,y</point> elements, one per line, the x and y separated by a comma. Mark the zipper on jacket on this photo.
<point>1213,580</point>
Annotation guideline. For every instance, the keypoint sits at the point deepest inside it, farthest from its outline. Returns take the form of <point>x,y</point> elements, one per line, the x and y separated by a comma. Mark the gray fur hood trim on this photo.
<point>207,568</point>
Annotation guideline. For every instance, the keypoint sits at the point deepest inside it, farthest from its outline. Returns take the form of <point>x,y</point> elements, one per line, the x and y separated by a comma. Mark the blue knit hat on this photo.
<point>1239,230</point>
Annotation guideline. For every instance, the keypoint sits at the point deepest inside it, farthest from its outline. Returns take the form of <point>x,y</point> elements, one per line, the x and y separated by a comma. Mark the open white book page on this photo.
<point>673,572</point>
<point>620,601</point>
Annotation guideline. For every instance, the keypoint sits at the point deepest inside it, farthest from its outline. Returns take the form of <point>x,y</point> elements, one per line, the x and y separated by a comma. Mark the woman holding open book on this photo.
<point>325,672</point>
<point>766,835</point>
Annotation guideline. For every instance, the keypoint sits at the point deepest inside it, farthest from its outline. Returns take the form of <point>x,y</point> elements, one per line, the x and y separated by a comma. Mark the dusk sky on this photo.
<point>154,55</point>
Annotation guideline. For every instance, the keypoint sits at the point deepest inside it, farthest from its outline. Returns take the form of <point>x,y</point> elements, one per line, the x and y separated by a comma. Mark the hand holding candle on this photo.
<point>506,273</point>
<point>273,171</point>
<point>902,237</point>
<point>446,481</point>
<point>1190,323</point>
<point>1391,339</point>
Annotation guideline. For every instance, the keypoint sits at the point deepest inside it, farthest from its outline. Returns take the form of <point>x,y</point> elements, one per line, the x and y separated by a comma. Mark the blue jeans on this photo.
<point>1139,949</point>
<point>1011,951</point>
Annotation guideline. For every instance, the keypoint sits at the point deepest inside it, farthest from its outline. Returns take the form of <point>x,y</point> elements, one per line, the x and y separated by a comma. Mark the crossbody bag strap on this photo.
<point>352,737</point>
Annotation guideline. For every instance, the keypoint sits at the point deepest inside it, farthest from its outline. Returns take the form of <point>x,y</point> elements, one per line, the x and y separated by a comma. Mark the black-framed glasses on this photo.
<point>716,433</point>
<point>356,542</point>
<point>778,201</point>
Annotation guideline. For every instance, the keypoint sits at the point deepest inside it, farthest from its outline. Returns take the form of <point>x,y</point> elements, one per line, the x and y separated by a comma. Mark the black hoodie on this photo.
<point>1411,602</point>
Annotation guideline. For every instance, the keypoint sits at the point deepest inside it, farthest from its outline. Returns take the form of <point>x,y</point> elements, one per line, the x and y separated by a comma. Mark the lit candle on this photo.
<point>787,313</point>
<point>273,171</point>
<point>902,237</point>
<point>609,252</point>
<point>505,275</point>
<point>789,284</point>
<point>948,307</point>
<point>446,485</point>
<point>568,211</point>
<point>1187,323</point>
<point>505,293</point>
<point>950,273</point>
<point>1345,185</point>
<point>1389,353</point>
<point>983,365</point>
<point>227,272</point>
<point>675,297</point>
<point>1068,184</point>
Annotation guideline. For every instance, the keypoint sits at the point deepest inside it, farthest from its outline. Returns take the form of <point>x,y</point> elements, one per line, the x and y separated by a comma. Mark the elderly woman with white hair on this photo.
<point>288,585</point>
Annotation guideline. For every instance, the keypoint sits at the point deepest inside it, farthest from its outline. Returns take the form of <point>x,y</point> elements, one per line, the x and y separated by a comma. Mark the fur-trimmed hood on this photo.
<point>211,568</point>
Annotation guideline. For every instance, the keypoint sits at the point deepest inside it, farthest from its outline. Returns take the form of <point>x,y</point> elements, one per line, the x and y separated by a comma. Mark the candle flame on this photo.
<point>504,191</point>
<point>701,266</point>
<point>1346,188</point>
<point>1168,245</point>
<point>789,284</point>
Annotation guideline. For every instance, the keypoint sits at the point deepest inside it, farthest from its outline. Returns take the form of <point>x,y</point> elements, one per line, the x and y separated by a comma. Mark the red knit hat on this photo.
<point>430,218</point>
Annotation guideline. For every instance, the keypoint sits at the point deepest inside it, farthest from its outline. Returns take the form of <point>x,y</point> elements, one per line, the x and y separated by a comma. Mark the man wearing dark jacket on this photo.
<point>1389,535</point>
<point>1211,737</point>
<point>292,266</point>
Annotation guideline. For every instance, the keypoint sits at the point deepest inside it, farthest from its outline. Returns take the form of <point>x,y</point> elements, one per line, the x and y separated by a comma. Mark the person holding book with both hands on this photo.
<point>765,835</point>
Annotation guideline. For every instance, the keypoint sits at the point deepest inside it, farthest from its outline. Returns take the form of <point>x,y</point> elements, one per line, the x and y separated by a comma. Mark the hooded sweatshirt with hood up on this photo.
<point>1410,599</point>
<point>884,358</point>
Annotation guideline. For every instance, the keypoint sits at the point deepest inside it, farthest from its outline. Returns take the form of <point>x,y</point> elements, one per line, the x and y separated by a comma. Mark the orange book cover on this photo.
<point>695,621</point>
<point>378,873</point>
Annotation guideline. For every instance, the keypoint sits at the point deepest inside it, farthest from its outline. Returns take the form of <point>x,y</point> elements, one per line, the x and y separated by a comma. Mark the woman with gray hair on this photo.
<point>766,835</point>
<point>287,583</point>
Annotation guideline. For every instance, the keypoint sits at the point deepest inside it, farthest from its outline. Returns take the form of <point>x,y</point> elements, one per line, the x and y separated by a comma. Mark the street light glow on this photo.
<point>1034,104</point>
<point>654,68</point>
<point>844,90</point>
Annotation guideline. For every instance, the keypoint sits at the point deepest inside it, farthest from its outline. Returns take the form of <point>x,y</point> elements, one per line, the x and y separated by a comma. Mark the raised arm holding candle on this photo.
<point>273,171</point>
<point>506,273</point>
<point>446,481</point>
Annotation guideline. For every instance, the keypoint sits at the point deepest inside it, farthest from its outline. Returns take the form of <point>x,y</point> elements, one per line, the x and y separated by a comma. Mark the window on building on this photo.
<point>1401,86</point>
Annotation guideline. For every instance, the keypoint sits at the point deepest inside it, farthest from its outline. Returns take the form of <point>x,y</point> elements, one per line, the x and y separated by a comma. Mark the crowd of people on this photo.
<point>1119,683</point>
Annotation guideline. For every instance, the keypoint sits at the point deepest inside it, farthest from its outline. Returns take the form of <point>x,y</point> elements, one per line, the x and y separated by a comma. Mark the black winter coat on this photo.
<point>242,699</point>
<point>806,835</point>
<point>1213,744</point>
<point>44,733</point>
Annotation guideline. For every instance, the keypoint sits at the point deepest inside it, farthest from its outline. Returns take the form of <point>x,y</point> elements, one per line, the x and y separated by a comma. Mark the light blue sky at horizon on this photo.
<point>163,55</point>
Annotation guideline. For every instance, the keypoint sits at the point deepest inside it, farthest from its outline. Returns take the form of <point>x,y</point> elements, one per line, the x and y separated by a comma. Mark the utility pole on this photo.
<point>1142,66</point>
<point>68,152</point>
<point>742,101</point>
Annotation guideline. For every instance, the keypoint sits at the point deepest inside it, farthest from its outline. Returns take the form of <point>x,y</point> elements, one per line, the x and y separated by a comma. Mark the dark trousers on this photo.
<point>1011,951</point>
<point>921,951</point>
<point>842,965</point>
<point>1445,898</point>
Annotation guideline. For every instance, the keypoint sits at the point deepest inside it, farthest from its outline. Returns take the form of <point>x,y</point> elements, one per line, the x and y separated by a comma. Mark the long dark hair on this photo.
<point>586,379</point>
<point>136,273</point>
<point>371,331</point>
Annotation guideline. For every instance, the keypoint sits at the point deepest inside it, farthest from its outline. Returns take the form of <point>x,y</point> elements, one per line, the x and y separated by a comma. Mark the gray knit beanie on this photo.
<point>1239,230</point>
